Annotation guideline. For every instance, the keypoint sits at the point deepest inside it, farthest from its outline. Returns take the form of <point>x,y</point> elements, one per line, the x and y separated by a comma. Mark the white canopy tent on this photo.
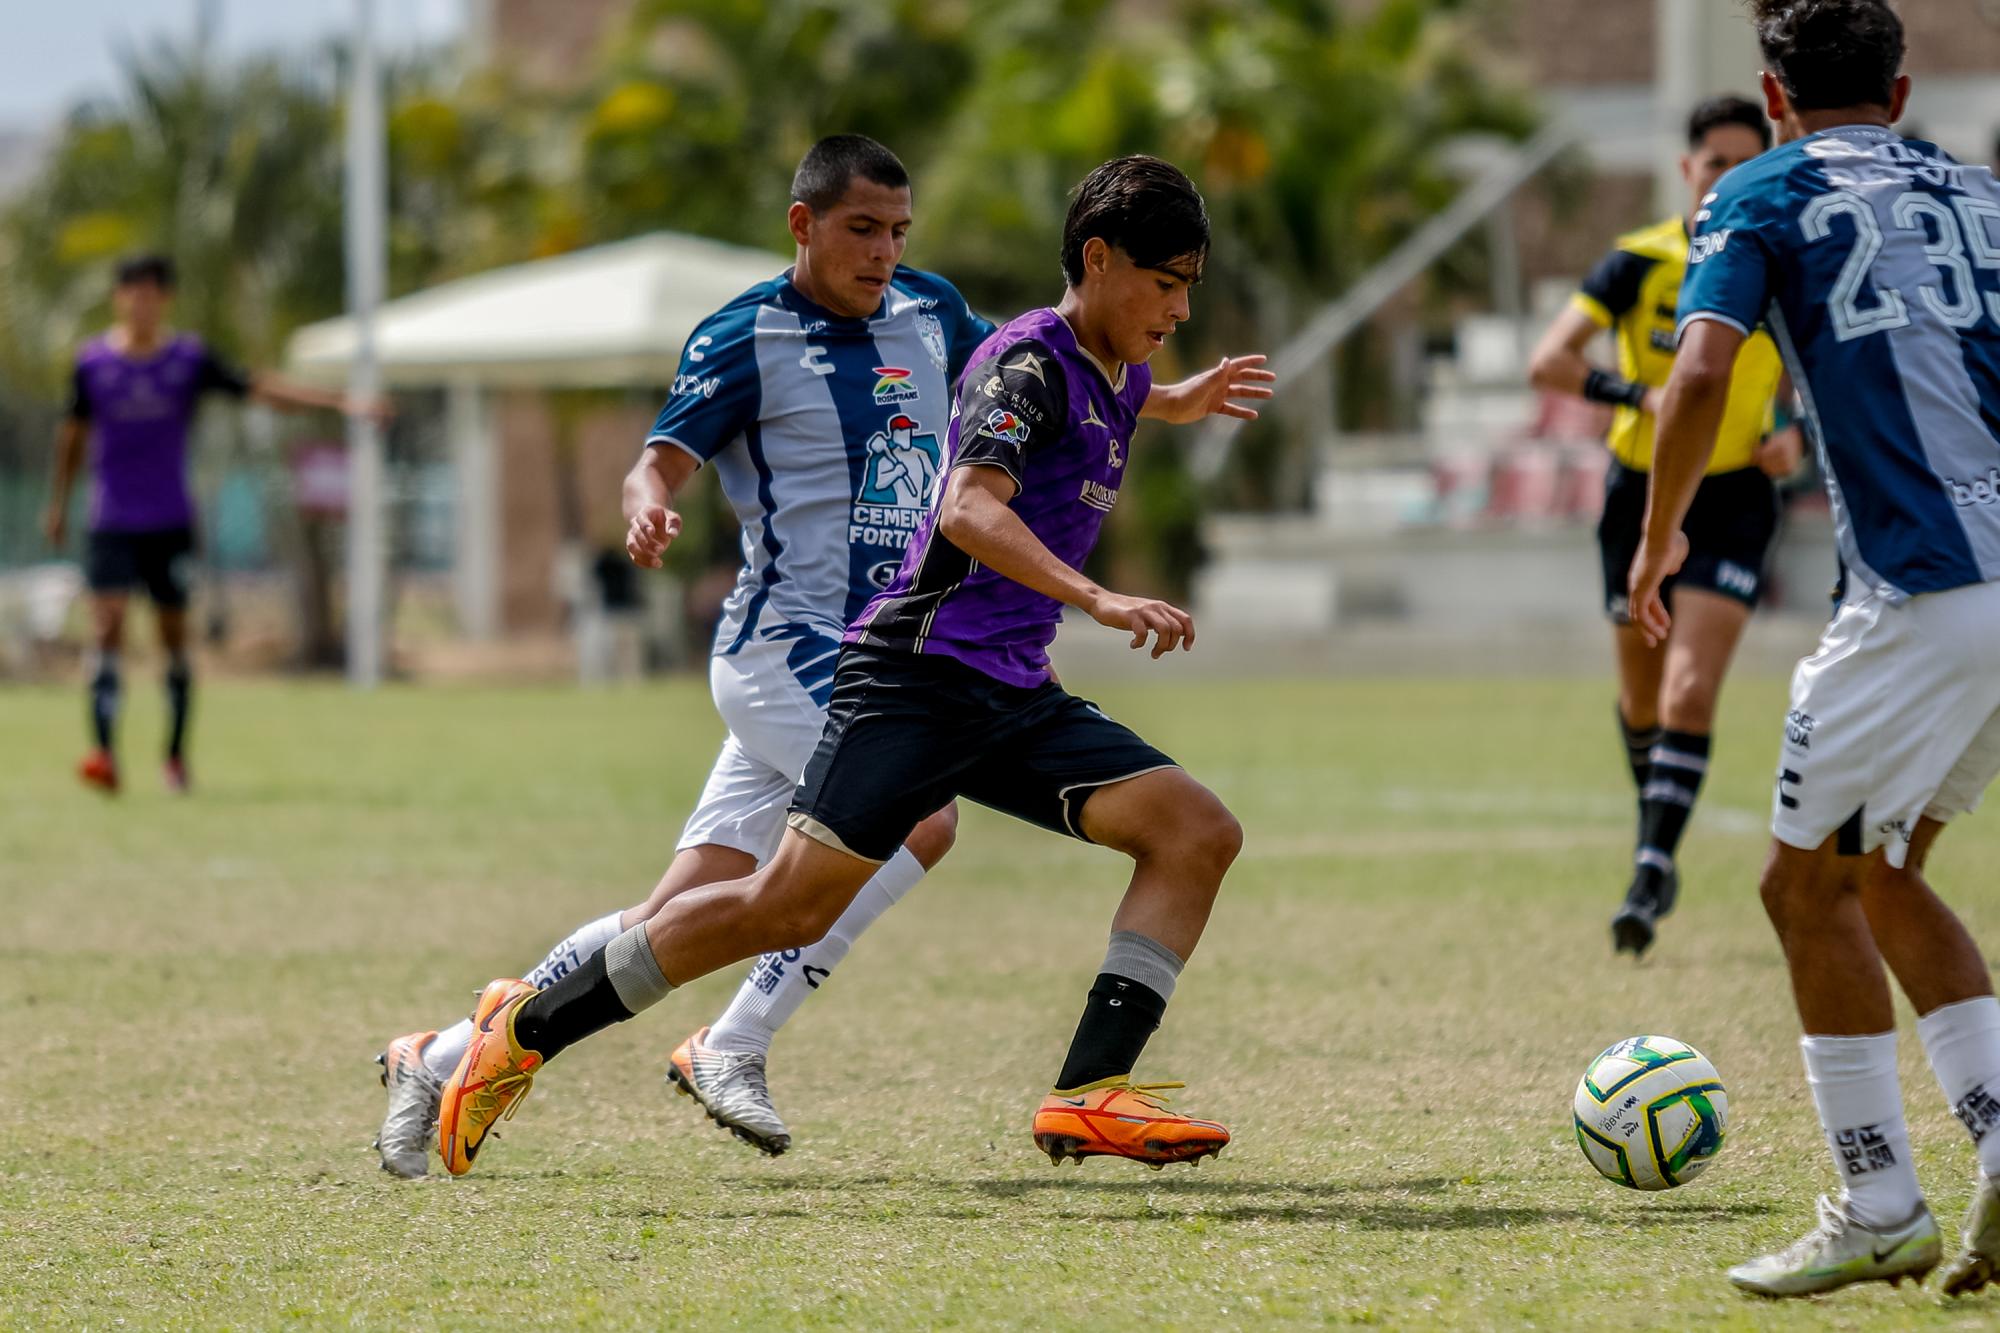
<point>609,317</point>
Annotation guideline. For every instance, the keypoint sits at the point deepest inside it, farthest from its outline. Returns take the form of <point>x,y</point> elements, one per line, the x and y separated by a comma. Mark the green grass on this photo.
<point>1404,979</point>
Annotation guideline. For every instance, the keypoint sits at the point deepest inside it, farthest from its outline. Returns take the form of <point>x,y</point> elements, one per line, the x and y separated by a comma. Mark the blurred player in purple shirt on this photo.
<point>944,690</point>
<point>133,398</point>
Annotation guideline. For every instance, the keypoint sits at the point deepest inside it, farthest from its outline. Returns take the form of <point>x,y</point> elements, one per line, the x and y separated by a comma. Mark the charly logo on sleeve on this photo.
<point>901,472</point>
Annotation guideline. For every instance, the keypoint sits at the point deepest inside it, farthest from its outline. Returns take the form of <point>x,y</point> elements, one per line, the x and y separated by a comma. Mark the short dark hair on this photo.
<point>1144,206</point>
<point>1831,53</point>
<point>135,269</point>
<point>831,165</point>
<point>1727,111</point>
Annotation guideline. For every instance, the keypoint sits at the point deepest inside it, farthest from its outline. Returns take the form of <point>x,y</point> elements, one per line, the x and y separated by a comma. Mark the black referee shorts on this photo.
<point>1730,528</point>
<point>907,732</point>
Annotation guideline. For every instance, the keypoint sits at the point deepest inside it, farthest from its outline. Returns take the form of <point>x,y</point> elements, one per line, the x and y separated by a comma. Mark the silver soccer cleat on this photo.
<point>730,1086</point>
<point>410,1125</point>
<point>1979,1263</point>
<point>1841,1251</point>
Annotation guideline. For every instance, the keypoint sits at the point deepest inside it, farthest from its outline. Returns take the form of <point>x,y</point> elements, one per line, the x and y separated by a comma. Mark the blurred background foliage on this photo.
<point>1317,129</point>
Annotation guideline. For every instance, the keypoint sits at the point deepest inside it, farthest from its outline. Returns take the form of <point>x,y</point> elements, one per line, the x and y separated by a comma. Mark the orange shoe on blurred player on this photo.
<point>1116,1117</point>
<point>99,770</point>
<point>490,1080</point>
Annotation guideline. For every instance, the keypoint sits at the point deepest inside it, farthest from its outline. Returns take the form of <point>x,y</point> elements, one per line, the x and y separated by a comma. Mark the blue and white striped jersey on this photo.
<point>825,433</point>
<point>1875,261</point>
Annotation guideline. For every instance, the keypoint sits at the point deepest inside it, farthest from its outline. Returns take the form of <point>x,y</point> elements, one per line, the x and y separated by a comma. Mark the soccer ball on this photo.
<point>1651,1113</point>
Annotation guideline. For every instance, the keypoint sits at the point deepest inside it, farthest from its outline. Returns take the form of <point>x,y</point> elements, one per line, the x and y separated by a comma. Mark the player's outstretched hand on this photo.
<point>652,531</point>
<point>1233,377</point>
<point>1167,625</point>
<point>1651,569</point>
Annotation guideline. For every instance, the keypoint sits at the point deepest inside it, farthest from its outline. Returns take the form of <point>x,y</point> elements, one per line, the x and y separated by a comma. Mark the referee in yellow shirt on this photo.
<point>1667,694</point>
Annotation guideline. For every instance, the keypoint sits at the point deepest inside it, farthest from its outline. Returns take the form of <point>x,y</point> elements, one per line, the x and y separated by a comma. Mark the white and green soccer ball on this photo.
<point>1651,1113</point>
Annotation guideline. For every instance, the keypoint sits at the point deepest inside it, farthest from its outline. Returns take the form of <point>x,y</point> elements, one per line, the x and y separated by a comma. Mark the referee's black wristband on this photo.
<point>1601,386</point>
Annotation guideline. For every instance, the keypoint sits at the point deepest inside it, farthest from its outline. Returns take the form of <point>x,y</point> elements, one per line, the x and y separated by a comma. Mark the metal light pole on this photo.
<point>365,207</point>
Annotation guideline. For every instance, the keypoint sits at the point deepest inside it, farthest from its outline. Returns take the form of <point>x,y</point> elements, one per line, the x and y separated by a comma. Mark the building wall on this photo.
<point>1582,43</point>
<point>1602,74</point>
<point>561,467</point>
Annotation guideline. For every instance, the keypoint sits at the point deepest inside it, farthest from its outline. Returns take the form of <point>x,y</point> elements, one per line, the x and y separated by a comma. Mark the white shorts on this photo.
<point>764,693</point>
<point>1893,718</point>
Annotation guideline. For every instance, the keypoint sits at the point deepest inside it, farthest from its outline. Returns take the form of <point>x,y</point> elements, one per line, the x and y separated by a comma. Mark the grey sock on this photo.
<point>634,972</point>
<point>1148,962</point>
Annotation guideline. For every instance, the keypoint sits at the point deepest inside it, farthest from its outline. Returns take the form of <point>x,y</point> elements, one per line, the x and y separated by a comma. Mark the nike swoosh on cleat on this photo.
<point>1074,1101</point>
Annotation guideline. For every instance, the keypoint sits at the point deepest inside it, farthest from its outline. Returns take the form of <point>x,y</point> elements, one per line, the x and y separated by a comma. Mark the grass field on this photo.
<point>1407,973</point>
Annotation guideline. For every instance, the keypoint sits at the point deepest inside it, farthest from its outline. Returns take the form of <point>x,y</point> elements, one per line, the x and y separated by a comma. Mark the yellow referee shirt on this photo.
<point>1635,292</point>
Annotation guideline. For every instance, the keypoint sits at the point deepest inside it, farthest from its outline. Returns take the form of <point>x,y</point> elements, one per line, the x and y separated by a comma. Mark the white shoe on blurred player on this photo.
<point>411,1121</point>
<point>1841,1251</point>
<point>730,1086</point>
<point>1979,1263</point>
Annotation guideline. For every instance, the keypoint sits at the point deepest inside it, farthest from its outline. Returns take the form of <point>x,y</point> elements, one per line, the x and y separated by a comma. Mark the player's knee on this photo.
<point>1688,701</point>
<point>789,917</point>
<point>1205,833</point>
<point>1224,836</point>
<point>930,840</point>
<point>1779,886</point>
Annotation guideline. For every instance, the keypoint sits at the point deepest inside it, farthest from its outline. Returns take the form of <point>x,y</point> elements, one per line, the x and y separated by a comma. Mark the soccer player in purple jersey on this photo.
<point>944,690</point>
<point>133,397</point>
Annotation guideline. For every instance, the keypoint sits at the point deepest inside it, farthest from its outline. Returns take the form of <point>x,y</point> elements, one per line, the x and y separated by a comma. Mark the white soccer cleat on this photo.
<point>1979,1263</point>
<point>1841,1251</point>
<point>411,1121</point>
<point>730,1086</point>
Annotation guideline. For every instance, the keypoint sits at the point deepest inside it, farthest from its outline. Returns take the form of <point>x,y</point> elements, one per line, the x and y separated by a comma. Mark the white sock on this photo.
<point>441,1057</point>
<point>584,943</point>
<point>779,982</point>
<point>1963,1042</point>
<point>1860,1103</point>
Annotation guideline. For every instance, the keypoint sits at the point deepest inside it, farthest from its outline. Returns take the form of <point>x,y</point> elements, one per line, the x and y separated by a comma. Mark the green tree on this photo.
<point>706,105</point>
<point>235,174</point>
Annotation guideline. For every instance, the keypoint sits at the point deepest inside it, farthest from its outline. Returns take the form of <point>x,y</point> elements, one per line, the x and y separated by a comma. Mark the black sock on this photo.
<point>1117,1019</point>
<point>1679,762</point>
<point>180,692</point>
<point>104,701</point>
<point>1638,749</point>
<point>573,1008</point>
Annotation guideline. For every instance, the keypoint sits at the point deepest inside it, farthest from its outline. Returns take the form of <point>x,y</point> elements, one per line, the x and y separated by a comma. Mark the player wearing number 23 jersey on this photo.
<point>1874,260</point>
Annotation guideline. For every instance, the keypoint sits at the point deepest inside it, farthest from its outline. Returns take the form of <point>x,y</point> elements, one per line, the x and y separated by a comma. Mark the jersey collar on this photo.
<point>808,309</point>
<point>1117,382</point>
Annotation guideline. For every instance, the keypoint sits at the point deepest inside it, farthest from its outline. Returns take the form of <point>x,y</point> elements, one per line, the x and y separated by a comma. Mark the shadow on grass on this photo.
<point>1692,1210</point>
<point>1178,1199</point>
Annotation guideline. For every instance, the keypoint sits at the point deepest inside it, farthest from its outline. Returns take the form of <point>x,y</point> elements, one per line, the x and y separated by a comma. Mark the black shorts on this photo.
<point>1729,527</point>
<point>905,733</point>
<point>161,561</point>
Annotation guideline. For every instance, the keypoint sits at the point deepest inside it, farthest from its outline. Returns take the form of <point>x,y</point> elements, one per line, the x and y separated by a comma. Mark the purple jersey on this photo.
<point>1036,405</point>
<point>138,412</point>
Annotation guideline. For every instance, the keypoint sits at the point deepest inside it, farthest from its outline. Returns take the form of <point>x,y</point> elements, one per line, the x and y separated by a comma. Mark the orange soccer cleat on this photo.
<point>491,1078</point>
<point>1116,1117</point>
<point>100,770</point>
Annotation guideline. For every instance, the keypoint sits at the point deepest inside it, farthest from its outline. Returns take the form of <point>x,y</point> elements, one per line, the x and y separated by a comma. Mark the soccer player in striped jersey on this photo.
<point>1667,691</point>
<point>1874,261</point>
<point>821,398</point>
<point>943,689</point>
